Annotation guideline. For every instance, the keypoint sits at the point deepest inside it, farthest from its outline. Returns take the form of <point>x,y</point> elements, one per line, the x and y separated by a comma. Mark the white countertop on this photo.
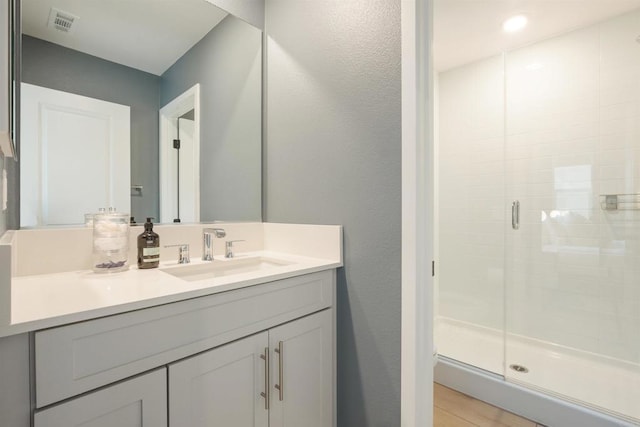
<point>46,300</point>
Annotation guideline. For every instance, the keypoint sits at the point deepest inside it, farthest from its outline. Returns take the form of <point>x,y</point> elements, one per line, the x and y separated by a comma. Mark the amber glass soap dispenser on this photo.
<point>148,247</point>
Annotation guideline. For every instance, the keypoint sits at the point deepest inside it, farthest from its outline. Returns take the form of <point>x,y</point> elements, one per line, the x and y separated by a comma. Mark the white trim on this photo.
<point>175,108</point>
<point>7,147</point>
<point>525,402</point>
<point>417,215</point>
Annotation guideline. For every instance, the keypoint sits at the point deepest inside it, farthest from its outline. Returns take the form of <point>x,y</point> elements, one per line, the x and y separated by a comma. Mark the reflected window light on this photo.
<point>558,214</point>
<point>543,216</point>
<point>573,191</point>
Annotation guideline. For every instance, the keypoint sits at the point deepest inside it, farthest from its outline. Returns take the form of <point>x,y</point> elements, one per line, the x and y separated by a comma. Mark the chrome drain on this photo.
<point>519,368</point>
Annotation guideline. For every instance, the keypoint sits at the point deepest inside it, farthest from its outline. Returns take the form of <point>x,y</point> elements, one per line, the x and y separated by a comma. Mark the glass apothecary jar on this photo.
<point>110,242</point>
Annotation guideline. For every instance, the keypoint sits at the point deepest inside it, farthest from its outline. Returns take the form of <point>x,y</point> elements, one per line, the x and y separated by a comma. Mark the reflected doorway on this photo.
<point>179,158</point>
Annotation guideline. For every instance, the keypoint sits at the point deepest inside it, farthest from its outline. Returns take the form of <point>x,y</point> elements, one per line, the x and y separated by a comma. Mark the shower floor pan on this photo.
<point>606,384</point>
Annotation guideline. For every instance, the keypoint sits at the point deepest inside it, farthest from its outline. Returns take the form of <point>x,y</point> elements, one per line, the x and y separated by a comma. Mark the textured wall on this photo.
<point>15,404</point>
<point>227,63</point>
<point>53,66</point>
<point>332,156</point>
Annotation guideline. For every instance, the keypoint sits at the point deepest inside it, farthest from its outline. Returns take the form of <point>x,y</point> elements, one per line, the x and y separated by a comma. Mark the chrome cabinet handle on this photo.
<point>515,215</point>
<point>280,385</point>
<point>265,393</point>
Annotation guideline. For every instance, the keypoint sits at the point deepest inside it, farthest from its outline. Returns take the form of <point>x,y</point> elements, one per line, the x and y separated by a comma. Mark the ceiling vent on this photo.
<point>62,21</point>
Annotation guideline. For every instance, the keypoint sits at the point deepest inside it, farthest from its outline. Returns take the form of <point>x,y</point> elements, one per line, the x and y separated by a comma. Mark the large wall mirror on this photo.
<point>153,107</point>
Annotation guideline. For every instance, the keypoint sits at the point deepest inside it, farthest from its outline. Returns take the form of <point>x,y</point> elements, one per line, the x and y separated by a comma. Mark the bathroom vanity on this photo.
<point>248,341</point>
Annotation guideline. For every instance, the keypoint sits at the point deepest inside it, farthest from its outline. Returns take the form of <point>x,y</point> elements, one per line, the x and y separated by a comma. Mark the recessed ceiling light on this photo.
<point>515,23</point>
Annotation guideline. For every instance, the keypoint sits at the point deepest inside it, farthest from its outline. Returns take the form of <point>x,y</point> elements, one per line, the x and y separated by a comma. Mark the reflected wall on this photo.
<point>227,63</point>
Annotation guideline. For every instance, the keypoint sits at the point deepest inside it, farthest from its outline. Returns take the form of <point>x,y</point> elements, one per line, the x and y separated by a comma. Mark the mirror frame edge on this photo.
<point>13,168</point>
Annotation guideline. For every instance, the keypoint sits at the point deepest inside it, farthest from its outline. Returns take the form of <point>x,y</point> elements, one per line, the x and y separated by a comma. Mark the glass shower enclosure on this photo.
<point>538,214</point>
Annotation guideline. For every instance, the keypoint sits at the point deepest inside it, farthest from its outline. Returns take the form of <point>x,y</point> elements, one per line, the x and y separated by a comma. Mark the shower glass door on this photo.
<point>470,215</point>
<point>572,239</point>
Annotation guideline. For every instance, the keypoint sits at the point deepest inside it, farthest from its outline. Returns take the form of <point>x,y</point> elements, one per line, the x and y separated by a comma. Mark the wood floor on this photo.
<point>453,409</point>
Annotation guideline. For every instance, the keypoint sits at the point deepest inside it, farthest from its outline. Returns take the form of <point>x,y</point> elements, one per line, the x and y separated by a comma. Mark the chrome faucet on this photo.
<point>207,241</point>
<point>228,248</point>
<point>183,252</point>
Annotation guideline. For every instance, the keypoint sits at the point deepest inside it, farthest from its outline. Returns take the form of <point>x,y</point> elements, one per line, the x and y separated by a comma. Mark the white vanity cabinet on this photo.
<point>279,378</point>
<point>261,356</point>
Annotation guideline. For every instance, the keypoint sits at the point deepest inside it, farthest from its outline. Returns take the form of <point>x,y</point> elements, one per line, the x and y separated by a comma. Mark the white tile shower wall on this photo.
<point>572,134</point>
<point>471,193</point>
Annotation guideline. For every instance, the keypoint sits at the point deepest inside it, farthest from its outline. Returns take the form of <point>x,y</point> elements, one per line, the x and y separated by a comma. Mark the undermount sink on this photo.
<point>224,268</point>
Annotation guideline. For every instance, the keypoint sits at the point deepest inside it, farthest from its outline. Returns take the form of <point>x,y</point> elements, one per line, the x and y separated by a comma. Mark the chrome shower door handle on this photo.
<point>515,215</point>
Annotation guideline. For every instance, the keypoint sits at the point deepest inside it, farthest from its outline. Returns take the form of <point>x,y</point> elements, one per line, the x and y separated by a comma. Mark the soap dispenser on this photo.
<point>148,247</point>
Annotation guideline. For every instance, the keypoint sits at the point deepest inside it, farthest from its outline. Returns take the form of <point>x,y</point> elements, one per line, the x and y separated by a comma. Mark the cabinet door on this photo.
<point>221,387</point>
<point>302,372</point>
<point>138,402</point>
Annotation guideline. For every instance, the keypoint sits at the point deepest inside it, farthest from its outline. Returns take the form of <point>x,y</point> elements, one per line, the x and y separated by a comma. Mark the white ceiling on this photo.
<point>469,30</point>
<point>149,35</point>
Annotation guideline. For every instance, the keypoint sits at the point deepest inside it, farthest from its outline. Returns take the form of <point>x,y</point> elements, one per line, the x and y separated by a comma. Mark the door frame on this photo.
<point>417,213</point>
<point>190,99</point>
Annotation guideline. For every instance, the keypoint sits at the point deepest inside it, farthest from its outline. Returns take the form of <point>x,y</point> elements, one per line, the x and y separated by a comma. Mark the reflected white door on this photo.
<point>74,156</point>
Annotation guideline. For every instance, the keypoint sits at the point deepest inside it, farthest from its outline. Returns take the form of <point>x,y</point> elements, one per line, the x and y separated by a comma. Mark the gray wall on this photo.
<point>227,63</point>
<point>15,403</point>
<point>56,67</point>
<point>333,156</point>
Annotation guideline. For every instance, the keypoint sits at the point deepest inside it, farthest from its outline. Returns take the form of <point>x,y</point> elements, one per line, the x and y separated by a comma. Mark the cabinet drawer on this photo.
<point>73,359</point>
<point>138,401</point>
